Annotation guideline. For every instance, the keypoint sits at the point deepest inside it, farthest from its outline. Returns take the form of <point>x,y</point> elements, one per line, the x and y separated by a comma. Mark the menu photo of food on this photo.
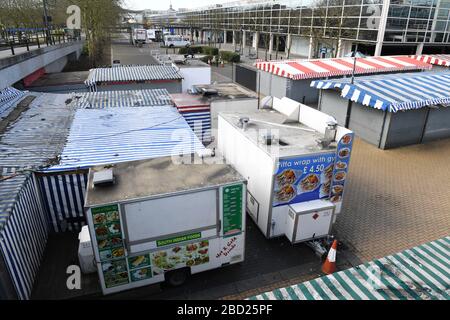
<point>346,139</point>
<point>141,274</point>
<point>139,261</point>
<point>115,279</point>
<point>285,193</point>
<point>337,189</point>
<point>341,165</point>
<point>112,216</point>
<point>101,231</point>
<point>327,173</point>
<point>118,252</point>
<point>344,153</point>
<point>288,176</point>
<point>99,218</point>
<point>180,256</point>
<point>114,228</point>
<point>105,254</point>
<point>340,176</point>
<point>336,198</point>
<point>325,189</point>
<point>115,266</point>
<point>309,183</point>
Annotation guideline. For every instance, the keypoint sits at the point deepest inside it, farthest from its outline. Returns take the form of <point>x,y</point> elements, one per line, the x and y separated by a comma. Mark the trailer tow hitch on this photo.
<point>320,246</point>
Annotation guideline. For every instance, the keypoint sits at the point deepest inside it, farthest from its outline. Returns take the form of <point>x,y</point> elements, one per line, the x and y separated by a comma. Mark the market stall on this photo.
<point>158,220</point>
<point>291,78</point>
<point>390,110</point>
<point>296,162</point>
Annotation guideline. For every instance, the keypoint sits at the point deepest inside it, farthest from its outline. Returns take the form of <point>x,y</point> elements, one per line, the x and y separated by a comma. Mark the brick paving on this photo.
<point>395,199</point>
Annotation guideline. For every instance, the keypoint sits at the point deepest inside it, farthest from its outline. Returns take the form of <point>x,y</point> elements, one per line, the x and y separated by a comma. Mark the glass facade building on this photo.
<point>370,22</point>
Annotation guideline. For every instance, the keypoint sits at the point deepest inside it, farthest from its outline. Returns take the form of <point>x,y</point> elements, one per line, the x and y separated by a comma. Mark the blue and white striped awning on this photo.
<point>394,92</point>
<point>8,99</point>
<point>420,273</point>
<point>105,136</point>
<point>133,73</point>
<point>122,98</point>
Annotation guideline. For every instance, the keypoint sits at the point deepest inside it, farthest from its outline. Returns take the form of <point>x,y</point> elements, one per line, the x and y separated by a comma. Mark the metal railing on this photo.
<point>34,38</point>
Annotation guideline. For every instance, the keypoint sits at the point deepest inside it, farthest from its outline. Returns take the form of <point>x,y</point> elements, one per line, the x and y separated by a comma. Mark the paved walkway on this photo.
<point>395,199</point>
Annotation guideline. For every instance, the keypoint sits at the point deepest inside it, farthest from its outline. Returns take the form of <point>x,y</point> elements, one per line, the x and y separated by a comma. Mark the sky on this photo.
<point>164,5</point>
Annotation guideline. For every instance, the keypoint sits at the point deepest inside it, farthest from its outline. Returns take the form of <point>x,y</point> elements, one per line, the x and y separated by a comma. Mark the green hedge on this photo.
<point>230,56</point>
<point>193,49</point>
<point>211,51</point>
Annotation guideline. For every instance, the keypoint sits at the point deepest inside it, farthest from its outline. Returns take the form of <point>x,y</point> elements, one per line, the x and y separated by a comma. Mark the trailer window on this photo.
<point>151,219</point>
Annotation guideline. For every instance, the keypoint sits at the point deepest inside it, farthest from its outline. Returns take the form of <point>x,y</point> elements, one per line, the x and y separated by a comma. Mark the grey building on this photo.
<point>320,27</point>
<point>390,110</point>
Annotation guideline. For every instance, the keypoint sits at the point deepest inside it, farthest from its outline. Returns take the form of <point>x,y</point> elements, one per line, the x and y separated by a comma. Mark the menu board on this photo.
<point>187,255</point>
<point>304,178</point>
<point>108,234</point>
<point>140,267</point>
<point>232,209</point>
<point>115,272</point>
<point>341,167</point>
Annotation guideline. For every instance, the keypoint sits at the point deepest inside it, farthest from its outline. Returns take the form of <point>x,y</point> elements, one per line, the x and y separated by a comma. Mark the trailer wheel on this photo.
<point>177,277</point>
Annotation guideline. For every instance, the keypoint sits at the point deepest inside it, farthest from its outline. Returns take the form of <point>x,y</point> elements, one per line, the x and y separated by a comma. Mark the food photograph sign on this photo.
<point>304,178</point>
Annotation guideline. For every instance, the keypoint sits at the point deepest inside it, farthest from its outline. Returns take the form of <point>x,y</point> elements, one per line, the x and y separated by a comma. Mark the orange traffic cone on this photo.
<point>329,266</point>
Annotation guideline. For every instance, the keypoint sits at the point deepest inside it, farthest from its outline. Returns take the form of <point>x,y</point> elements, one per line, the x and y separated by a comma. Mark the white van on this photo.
<point>176,41</point>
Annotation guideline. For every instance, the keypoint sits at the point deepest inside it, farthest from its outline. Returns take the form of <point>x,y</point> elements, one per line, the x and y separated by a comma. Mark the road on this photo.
<point>129,54</point>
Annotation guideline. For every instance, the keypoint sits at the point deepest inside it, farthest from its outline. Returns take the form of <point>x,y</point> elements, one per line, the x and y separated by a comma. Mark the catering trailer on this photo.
<point>159,220</point>
<point>295,160</point>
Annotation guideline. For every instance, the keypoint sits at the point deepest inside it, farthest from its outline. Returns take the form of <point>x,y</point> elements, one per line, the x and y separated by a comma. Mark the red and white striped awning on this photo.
<point>321,68</point>
<point>436,59</point>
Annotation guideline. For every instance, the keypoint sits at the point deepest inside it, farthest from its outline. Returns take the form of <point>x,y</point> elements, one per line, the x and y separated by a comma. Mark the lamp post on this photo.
<point>352,81</point>
<point>47,31</point>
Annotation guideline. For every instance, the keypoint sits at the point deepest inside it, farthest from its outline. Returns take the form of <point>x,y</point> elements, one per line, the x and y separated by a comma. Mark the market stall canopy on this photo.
<point>8,98</point>
<point>322,68</point>
<point>420,273</point>
<point>393,92</point>
<point>435,59</point>
<point>106,136</point>
<point>132,73</point>
<point>122,98</point>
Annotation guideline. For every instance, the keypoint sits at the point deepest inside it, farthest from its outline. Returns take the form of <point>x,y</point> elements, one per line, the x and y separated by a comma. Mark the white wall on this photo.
<point>194,76</point>
<point>300,46</point>
<point>250,105</point>
<point>252,163</point>
<point>56,66</point>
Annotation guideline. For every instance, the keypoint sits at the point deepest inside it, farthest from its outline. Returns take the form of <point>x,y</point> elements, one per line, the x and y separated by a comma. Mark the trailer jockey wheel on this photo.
<point>177,277</point>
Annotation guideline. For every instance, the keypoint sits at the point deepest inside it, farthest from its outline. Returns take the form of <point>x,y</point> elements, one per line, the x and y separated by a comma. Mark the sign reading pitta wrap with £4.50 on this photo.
<point>304,178</point>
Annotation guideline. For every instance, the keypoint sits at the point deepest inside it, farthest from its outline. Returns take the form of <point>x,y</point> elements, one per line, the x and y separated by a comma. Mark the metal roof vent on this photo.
<point>243,122</point>
<point>103,177</point>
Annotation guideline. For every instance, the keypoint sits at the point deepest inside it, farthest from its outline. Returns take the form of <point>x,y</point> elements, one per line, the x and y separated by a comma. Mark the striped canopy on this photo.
<point>8,98</point>
<point>105,136</point>
<point>394,92</point>
<point>132,73</point>
<point>436,59</point>
<point>420,273</point>
<point>323,68</point>
<point>122,98</point>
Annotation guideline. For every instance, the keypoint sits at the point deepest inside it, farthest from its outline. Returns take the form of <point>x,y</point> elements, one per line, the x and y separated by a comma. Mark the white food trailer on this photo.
<point>295,160</point>
<point>157,220</point>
